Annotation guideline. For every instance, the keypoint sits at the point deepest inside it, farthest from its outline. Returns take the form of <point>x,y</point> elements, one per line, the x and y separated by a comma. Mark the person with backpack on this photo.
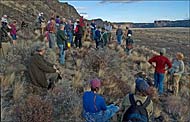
<point>175,72</point>
<point>160,67</point>
<point>138,107</point>
<point>128,31</point>
<point>119,34</point>
<point>94,105</point>
<point>129,44</point>
<point>51,27</point>
<point>62,44</point>
<point>78,34</point>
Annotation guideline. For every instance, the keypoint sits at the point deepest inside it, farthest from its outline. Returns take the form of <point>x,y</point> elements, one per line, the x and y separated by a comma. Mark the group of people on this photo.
<point>69,33</point>
<point>8,29</point>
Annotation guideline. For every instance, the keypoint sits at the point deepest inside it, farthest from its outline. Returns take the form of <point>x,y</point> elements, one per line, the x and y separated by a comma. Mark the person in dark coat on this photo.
<point>38,67</point>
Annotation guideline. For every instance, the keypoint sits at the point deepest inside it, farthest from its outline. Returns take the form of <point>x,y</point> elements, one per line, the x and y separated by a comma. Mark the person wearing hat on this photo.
<point>176,71</point>
<point>160,67</point>
<point>142,92</point>
<point>94,105</point>
<point>38,69</point>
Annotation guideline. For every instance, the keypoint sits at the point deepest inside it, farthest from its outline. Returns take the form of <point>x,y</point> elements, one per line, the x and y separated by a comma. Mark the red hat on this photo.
<point>95,83</point>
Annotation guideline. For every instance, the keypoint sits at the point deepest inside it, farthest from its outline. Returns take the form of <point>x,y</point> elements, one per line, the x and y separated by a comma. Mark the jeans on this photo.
<point>52,39</point>
<point>158,82</point>
<point>102,116</point>
<point>78,41</point>
<point>61,54</point>
<point>70,39</point>
<point>93,34</point>
<point>119,39</point>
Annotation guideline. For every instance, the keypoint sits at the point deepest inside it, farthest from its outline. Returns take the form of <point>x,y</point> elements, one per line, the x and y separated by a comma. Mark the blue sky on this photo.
<point>133,11</point>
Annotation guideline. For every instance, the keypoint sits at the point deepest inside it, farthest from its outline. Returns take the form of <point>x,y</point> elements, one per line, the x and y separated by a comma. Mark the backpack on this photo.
<point>137,111</point>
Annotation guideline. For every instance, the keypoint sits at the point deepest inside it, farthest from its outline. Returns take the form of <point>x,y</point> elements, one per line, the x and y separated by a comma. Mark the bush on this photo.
<point>34,110</point>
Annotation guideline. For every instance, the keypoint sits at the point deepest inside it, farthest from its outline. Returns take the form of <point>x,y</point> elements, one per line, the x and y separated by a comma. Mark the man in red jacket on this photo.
<point>161,61</point>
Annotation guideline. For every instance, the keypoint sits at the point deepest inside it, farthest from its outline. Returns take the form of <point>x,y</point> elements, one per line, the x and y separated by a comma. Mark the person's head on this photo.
<point>103,29</point>
<point>63,19</point>
<point>5,16</point>
<point>127,28</point>
<point>180,56</point>
<point>119,26</point>
<point>52,20</point>
<point>163,51</point>
<point>95,85</point>
<point>14,22</point>
<point>57,16</point>
<point>69,21</point>
<point>62,27</point>
<point>40,49</point>
<point>141,87</point>
<point>141,74</point>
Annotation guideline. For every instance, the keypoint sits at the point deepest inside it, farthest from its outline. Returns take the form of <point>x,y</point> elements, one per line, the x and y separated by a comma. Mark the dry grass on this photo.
<point>7,80</point>
<point>18,91</point>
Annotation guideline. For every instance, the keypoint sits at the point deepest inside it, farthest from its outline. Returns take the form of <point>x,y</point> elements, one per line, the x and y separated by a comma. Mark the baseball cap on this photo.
<point>95,83</point>
<point>141,85</point>
<point>163,51</point>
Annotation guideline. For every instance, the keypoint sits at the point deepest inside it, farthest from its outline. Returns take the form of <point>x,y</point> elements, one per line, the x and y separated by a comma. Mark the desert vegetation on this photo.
<point>111,65</point>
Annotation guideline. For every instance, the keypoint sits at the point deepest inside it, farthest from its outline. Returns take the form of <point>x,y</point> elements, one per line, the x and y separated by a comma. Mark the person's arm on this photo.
<point>103,105</point>
<point>152,60</point>
<point>169,64</point>
<point>44,66</point>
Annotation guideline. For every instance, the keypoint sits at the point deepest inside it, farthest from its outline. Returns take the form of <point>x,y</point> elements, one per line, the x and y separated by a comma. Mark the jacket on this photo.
<point>119,32</point>
<point>61,37</point>
<point>37,68</point>
<point>161,62</point>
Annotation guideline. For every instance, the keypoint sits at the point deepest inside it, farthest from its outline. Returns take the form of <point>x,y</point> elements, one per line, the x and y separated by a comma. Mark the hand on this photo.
<point>57,71</point>
<point>54,67</point>
<point>175,74</point>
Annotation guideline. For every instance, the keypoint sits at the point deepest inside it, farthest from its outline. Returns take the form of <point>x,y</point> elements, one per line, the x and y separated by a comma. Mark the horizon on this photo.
<point>128,11</point>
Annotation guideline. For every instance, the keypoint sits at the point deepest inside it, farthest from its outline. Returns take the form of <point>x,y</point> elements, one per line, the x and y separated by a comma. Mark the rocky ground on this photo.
<point>111,65</point>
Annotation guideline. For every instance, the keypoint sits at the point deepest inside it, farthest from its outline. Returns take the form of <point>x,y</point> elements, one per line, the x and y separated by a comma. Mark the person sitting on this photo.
<point>38,69</point>
<point>142,93</point>
<point>94,105</point>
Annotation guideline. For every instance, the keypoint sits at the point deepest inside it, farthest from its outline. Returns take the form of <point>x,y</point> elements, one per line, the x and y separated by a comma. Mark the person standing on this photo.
<point>52,33</point>
<point>93,28</point>
<point>161,62</point>
<point>61,43</point>
<point>129,44</point>
<point>109,30</point>
<point>13,32</point>
<point>119,34</point>
<point>97,37</point>
<point>176,72</point>
<point>78,33</point>
<point>69,30</point>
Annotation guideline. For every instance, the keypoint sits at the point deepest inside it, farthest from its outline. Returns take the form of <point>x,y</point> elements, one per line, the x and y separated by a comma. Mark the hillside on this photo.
<point>24,10</point>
